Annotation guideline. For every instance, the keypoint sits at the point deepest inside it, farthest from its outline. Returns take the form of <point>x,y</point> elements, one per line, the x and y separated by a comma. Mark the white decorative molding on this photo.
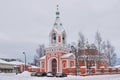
<point>50,64</point>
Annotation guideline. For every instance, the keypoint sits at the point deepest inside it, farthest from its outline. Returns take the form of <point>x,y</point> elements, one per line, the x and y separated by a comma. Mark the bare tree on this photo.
<point>111,55</point>
<point>81,41</point>
<point>35,60</point>
<point>69,45</point>
<point>106,48</point>
<point>98,40</point>
<point>103,47</point>
<point>40,52</point>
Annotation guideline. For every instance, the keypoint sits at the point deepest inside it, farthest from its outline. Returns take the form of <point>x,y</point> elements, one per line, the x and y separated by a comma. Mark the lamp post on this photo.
<point>76,56</point>
<point>25,61</point>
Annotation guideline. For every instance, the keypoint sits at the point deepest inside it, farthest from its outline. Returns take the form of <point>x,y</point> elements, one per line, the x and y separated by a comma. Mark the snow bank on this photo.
<point>118,66</point>
<point>25,73</point>
<point>26,76</point>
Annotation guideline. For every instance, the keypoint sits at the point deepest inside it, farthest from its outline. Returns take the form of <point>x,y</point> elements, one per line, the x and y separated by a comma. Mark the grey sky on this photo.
<point>24,24</point>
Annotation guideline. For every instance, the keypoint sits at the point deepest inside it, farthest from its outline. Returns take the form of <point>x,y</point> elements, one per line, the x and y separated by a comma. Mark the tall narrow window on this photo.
<point>53,38</point>
<point>63,38</point>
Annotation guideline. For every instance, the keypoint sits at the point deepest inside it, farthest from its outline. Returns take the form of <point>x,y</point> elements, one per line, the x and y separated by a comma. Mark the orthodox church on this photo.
<point>57,56</point>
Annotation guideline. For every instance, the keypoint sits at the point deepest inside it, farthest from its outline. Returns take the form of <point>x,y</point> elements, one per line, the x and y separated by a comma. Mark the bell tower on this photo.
<point>57,46</point>
<point>57,35</point>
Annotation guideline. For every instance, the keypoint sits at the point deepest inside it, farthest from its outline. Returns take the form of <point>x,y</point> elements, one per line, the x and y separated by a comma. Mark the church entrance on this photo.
<point>54,65</point>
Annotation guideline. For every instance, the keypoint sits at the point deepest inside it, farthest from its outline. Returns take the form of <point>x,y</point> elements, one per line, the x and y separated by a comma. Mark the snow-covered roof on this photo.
<point>42,57</point>
<point>110,67</point>
<point>118,66</point>
<point>16,63</point>
<point>73,67</point>
<point>83,67</point>
<point>35,67</point>
<point>93,67</point>
<point>12,62</point>
<point>3,62</point>
<point>102,66</point>
<point>67,55</point>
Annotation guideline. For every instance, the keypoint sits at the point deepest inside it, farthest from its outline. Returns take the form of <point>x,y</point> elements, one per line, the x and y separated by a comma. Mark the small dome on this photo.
<point>58,28</point>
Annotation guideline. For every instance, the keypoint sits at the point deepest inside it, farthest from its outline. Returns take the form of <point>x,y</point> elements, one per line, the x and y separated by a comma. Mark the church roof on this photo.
<point>43,57</point>
<point>67,55</point>
<point>16,63</point>
<point>12,62</point>
<point>58,25</point>
<point>3,62</point>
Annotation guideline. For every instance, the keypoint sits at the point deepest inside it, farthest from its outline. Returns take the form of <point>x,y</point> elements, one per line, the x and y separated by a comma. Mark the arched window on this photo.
<point>53,38</point>
<point>63,38</point>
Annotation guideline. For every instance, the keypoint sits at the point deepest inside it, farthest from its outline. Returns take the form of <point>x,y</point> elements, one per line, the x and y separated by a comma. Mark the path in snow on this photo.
<point>26,76</point>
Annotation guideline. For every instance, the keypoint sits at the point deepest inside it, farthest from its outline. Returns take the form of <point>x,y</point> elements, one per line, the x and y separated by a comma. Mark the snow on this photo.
<point>83,67</point>
<point>93,67</point>
<point>26,76</point>
<point>42,57</point>
<point>4,62</point>
<point>67,55</point>
<point>16,63</point>
<point>12,62</point>
<point>58,26</point>
<point>110,67</point>
<point>118,66</point>
<point>102,66</point>
<point>35,67</point>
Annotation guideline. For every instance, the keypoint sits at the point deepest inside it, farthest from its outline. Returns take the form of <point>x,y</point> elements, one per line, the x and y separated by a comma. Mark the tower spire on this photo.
<point>57,13</point>
<point>57,7</point>
<point>58,35</point>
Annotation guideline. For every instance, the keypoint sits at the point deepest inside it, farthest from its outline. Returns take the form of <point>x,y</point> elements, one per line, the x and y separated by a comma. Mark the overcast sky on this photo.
<point>24,24</point>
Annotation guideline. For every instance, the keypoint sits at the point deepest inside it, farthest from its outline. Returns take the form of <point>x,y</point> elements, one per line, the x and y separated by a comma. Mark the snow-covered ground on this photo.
<point>26,76</point>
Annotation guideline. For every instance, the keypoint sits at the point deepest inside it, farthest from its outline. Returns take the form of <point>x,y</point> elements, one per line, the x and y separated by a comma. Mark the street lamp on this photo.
<point>25,61</point>
<point>76,56</point>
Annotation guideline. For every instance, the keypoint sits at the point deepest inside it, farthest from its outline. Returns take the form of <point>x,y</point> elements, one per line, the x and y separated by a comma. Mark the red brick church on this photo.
<point>58,57</point>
